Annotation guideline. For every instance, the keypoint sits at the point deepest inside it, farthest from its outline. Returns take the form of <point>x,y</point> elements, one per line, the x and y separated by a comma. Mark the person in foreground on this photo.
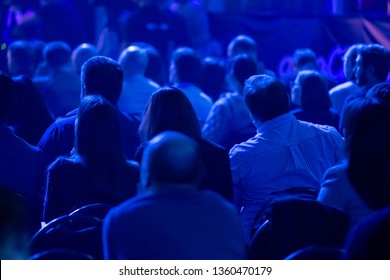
<point>172,219</point>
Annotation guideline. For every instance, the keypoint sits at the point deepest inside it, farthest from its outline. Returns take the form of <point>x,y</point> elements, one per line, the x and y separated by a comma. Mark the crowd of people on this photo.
<point>187,149</point>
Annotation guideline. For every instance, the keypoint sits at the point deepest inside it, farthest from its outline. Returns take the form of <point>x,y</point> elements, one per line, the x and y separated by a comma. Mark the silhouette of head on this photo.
<point>169,109</point>
<point>266,97</point>
<point>20,59</point>
<point>170,159</point>
<point>102,75</point>
<point>133,60</point>
<point>81,54</point>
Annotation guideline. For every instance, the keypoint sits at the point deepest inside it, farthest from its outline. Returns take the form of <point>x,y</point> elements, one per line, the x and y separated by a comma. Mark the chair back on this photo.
<point>97,210</point>
<point>79,233</point>
<point>295,223</point>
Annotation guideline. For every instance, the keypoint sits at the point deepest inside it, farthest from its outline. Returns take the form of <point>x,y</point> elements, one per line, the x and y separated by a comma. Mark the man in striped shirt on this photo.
<point>284,153</point>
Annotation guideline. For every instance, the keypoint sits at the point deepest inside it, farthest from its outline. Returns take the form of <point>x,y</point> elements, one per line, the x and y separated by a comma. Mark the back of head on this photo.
<point>133,60</point>
<point>266,97</point>
<point>81,54</point>
<point>97,134</point>
<point>213,75</point>
<point>314,91</point>
<point>242,67</point>
<point>57,54</point>
<point>369,240</point>
<point>7,96</point>
<point>367,136</point>
<point>186,65</point>
<point>349,59</point>
<point>242,44</point>
<point>305,58</point>
<point>169,109</point>
<point>20,59</point>
<point>102,75</point>
<point>170,159</point>
<point>381,91</point>
<point>378,57</point>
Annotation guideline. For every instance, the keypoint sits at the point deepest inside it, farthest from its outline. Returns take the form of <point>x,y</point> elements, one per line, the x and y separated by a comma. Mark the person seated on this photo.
<point>339,93</point>
<point>96,171</point>
<point>55,78</point>
<point>173,219</point>
<point>359,184</point>
<point>170,109</point>
<point>184,73</point>
<point>229,121</point>
<point>304,59</point>
<point>20,59</point>
<point>244,44</point>
<point>81,54</point>
<point>284,153</point>
<point>102,76</point>
<point>21,164</point>
<point>310,94</point>
<point>30,117</point>
<point>137,88</point>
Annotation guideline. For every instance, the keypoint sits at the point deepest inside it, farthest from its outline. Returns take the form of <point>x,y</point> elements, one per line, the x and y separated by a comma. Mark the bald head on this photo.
<point>133,60</point>
<point>170,159</point>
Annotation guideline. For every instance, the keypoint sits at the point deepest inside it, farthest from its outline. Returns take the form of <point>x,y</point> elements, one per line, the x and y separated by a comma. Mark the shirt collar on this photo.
<point>275,122</point>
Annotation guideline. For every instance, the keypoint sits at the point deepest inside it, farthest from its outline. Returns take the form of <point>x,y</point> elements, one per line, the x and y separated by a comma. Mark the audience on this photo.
<point>96,170</point>
<point>359,184</point>
<point>170,109</point>
<point>173,219</point>
<point>137,88</point>
<point>284,153</point>
<point>213,77</point>
<point>184,73</point>
<point>21,164</point>
<point>99,75</point>
<point>229,121</point>
<point>30,116</point>
<point>381,91</point>
<point>310,94</point>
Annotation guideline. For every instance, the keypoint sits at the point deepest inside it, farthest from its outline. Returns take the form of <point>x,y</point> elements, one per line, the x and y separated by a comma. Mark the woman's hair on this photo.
<point>367,145</point>
<point>169,109</point>
<point>98,143</point>
<point>314,91</point>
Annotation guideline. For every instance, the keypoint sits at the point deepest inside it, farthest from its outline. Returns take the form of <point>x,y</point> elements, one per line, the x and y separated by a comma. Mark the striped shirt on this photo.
<point>284,153</point>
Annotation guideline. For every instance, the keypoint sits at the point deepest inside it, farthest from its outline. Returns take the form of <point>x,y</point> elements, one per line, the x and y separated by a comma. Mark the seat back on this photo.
<point>79,233</point>
<point>317,253</point>
<point>295,223</point>
<point>97,210</point>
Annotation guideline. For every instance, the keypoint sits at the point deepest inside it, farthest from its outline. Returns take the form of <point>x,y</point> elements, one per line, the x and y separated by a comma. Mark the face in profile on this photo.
<point>360,72</point>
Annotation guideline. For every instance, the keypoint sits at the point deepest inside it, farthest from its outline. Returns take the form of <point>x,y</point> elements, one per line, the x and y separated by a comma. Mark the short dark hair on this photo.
<point>266,97</point>
<point>7,96</point>
<point>22,58</point>
<point>188,65</point>
<point>242,67</point>
<point>314,91</point>
<point>377,56</point>
<point>102,75</point>
<point>303,57</point>
<point>57,53</point>
<point>242,44</point>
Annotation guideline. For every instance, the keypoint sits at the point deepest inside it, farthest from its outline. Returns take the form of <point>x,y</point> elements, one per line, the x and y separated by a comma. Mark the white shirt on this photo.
<point>285,153</point>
